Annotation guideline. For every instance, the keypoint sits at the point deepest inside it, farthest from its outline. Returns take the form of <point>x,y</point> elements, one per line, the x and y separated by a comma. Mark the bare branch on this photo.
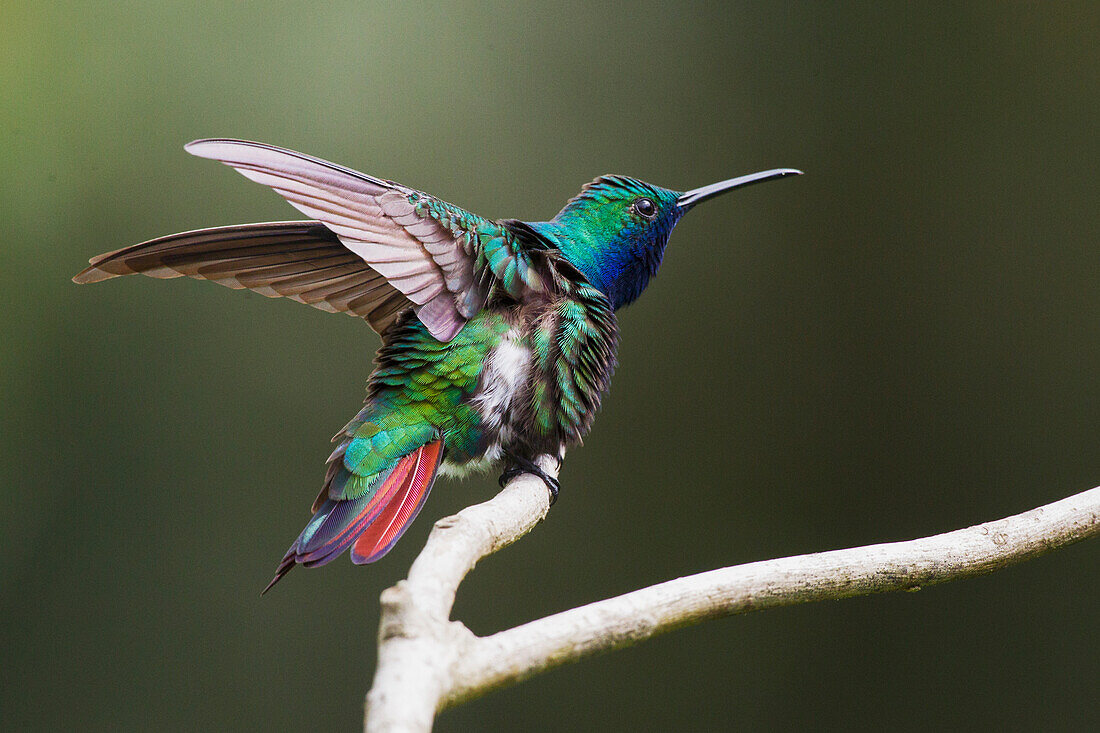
<point>516,654</point>
<point>450,665</point>
<point>418,647</point>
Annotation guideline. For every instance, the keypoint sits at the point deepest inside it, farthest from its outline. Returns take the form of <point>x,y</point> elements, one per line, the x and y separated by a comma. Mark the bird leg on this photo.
<point>518,464</point>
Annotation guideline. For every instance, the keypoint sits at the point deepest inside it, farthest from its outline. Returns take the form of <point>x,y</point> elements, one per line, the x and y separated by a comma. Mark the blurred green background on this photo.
<point>902,342</point>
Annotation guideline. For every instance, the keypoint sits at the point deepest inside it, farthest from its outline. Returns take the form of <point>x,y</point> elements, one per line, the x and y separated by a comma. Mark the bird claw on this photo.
<point>517,465</point>
<point>552,485</point>
<point>510,472</point>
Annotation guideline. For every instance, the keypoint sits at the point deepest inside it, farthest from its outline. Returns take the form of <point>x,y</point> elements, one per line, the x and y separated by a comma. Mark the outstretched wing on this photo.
<point>434,253</point>
<point>410,250</point>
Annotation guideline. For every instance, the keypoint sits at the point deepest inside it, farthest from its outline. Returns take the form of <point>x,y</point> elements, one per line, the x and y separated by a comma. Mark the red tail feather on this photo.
<point>373,523</point>
<point>400,511</point>
<point>340,529</point>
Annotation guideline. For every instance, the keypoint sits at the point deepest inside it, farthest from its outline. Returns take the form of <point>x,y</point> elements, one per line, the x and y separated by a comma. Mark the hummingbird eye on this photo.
<point>646,208</point>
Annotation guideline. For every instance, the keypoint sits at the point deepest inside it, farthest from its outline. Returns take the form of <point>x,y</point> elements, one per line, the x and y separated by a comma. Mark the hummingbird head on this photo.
<point>615,230</point>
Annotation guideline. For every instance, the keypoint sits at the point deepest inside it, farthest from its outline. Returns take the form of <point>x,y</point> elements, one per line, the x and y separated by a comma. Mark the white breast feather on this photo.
<point>502,378</point>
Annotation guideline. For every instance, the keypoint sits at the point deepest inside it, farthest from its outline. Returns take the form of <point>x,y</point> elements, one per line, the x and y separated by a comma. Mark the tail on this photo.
<point>370,524</point>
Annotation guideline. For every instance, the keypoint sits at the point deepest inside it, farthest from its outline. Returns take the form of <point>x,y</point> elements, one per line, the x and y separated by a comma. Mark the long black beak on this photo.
<point>689,199</point>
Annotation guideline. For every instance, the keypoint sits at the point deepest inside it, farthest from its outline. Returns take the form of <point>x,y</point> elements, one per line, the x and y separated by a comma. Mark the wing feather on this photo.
<point>300,260</point>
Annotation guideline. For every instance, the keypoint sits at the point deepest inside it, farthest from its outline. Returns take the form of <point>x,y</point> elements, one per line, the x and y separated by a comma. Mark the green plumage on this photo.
<point>421,387</point>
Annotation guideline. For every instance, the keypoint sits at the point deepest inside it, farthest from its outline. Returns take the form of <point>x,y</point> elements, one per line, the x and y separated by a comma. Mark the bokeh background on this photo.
<point>904,341</point>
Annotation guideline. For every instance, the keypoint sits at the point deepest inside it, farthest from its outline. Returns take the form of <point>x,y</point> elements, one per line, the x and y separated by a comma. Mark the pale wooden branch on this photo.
<point>427,663</point>
<point>418,647</point>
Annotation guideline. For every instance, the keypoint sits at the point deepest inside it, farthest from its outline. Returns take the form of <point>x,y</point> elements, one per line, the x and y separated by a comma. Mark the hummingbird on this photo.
<point>498,336</point>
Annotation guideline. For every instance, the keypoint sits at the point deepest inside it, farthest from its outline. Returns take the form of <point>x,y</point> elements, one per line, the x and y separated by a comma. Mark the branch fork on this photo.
<point>427,662</point>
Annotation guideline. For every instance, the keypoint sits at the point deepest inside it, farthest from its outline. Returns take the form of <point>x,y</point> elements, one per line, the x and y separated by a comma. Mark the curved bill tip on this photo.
<point>696,195</point>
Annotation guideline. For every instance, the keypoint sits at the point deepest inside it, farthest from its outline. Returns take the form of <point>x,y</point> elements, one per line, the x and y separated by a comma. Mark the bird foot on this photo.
<point>517,465</point>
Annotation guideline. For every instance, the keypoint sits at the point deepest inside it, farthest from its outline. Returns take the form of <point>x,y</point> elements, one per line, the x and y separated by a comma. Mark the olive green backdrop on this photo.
<point>904,341</point>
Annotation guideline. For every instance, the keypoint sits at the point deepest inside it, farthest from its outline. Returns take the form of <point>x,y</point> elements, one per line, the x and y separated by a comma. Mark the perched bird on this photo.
<point>498,337</point>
